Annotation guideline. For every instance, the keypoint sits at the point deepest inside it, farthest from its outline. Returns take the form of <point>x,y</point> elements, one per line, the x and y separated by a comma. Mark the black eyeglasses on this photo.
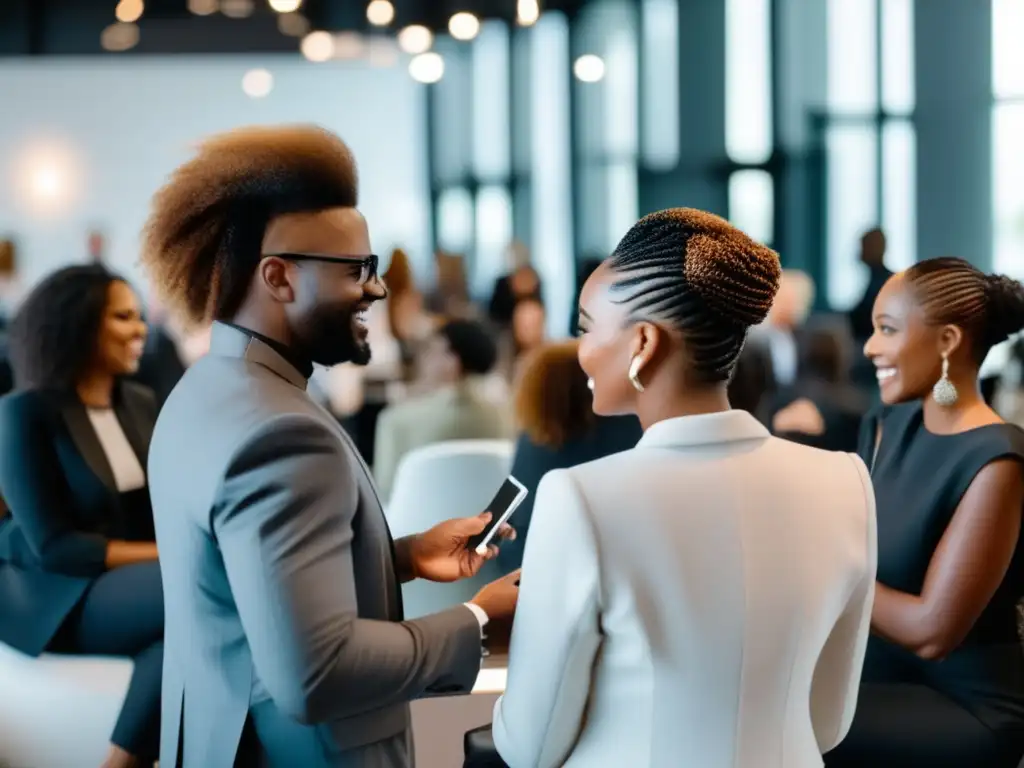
<point>367,264</point>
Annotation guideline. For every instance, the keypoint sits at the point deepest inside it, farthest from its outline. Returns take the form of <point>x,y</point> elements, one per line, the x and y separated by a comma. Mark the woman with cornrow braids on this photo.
<point>702,599</point>
<point>944,675</point>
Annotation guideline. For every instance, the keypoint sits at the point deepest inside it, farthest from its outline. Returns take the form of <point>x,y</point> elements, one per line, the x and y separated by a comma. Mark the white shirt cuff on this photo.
<point>481,616</point>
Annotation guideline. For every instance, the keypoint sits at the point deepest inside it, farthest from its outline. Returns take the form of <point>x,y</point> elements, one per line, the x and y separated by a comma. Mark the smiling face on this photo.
<point>326,299</point>
<point>905,349</point>
<point>607,344</point>
<point>122,332</point>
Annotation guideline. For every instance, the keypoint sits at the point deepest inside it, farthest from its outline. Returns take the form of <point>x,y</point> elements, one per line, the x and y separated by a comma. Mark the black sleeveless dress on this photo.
<point>966,711</point>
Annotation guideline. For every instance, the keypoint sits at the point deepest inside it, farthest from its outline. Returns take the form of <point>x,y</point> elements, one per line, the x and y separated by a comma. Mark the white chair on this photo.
<point>58,711</point>
<point>456,478</point>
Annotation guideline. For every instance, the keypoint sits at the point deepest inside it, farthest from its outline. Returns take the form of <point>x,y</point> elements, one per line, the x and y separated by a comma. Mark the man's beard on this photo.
<point>328,336</point>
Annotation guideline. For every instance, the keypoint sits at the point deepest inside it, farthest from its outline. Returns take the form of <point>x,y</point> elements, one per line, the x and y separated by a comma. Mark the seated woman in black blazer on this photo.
<point>559,430</point>
<point>78,560</point>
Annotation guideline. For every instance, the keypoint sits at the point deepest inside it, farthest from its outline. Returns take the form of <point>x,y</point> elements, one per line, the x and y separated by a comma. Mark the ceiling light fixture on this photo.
<point>380,13</point>
<point>129,11</point>
<point>415,39</point>
<point>427,67</point>
<point>318,46</point>
<point>527,12</point>
<point>464,26</point>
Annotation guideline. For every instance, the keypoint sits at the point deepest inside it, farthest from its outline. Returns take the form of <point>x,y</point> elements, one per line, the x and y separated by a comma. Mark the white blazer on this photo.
<point>700,601</point>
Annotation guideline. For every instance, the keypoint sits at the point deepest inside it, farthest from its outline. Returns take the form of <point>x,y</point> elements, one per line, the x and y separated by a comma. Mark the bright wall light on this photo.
<point>203,7</point>
<point>527,12</point>
<point>589,68</point>
<point>129,11</point>
<point>464,26</point>
<point>427,67</point>
<point>380,13</point>
<point>318,46</point>
<point>285,6</point>
<point>257,83</point>
<point>415,39</point>
<point>46,176</point>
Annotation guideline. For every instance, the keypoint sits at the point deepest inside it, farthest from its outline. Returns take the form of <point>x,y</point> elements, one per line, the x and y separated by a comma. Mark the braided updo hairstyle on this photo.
<point>952,291</point>
<point>699,274</point>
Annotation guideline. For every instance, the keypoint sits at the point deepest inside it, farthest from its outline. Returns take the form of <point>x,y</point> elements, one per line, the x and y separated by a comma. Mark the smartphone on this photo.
<point>504,503</point>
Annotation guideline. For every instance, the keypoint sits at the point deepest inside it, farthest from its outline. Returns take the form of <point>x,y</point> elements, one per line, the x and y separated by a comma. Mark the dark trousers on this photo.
<point>122,614</point>
<point>905,725</point>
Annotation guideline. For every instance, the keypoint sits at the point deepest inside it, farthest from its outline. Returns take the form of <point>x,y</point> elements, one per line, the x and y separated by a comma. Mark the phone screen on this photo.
<point>504,503</point>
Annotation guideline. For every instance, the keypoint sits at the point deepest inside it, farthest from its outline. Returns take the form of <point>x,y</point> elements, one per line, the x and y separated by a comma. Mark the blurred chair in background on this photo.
<point>438,482</point>
<point>554,410</point>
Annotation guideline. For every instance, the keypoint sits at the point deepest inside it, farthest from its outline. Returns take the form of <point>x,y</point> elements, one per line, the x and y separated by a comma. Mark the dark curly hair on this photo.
<point>697,273</point>
<point>952,291</point>
<point>53,335</point>
<point>202,242</point>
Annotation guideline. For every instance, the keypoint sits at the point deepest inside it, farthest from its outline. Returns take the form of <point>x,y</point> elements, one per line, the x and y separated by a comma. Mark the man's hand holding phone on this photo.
<point>444,553</point>
<point>498,600</point>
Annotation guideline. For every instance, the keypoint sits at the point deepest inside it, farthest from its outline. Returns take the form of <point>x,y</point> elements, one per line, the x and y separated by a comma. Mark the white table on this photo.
<point>439,723</point>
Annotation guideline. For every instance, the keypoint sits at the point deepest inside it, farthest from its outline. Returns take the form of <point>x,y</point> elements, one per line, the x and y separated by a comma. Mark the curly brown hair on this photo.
<point>202,242</point>
<point>552,401</point>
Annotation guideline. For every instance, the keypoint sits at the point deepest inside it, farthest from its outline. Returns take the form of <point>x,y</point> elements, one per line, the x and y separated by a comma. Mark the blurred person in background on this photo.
<point>161,366</point>
<point>408,321</point>
<point>821,408</point>
<point>943,681</point>
<point>526,334</point>
<point>559,429</point>
<point>456,359</point>
<point>78,561</point>
<point>872,256</point>
<point>1009,399</point>
<point>520,283</point>
<point>688,602</point>
<point>779,335</point>
<point>450,297</point>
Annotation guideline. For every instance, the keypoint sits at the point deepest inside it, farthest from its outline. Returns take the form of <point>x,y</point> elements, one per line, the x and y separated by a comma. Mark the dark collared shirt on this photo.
<point>299,362</point>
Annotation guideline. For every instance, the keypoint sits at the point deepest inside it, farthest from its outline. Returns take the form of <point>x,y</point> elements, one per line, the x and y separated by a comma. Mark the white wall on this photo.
<point>108,131</point>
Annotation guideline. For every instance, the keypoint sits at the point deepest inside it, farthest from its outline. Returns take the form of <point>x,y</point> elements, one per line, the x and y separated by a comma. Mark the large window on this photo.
<point>869,138</point>
<point>749,116</point>
<point>607,126</point>
<point>1008,130</point>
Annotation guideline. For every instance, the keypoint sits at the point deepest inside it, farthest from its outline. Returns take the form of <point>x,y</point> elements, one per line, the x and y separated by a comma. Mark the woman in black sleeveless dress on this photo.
<point>943,682</point>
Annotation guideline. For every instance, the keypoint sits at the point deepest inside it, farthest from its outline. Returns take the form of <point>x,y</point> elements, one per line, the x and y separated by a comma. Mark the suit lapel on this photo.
<point>84,437</point>
<point>368,475</point>
<point>131,422</point>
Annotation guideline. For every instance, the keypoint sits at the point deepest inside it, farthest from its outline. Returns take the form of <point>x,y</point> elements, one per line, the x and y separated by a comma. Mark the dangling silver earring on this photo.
<point>944,392</point>
<point>634,374</point>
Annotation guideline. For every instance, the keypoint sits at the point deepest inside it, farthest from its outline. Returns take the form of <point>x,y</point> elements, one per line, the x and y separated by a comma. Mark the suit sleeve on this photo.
<point>838,672</point>
<point>283,522</point>
<point>36,492</point>
<point>556,634</point>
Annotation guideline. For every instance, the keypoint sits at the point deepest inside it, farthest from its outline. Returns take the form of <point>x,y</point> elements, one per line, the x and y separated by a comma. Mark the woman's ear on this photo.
<point>645,343</point>
<point>950,339</point>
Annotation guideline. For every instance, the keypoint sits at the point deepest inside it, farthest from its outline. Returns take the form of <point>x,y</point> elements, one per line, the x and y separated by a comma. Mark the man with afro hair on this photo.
<point>285,642</point>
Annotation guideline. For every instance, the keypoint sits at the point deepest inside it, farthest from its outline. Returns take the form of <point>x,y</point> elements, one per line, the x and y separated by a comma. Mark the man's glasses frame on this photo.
<point>368,264</point>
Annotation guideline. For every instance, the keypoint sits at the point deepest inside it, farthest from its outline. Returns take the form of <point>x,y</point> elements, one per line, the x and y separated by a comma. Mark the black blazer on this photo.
<point>63,505</point>
<point>532,461</point>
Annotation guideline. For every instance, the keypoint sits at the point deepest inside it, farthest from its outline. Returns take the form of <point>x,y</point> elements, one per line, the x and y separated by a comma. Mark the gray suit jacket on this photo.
<point>282,600</point>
